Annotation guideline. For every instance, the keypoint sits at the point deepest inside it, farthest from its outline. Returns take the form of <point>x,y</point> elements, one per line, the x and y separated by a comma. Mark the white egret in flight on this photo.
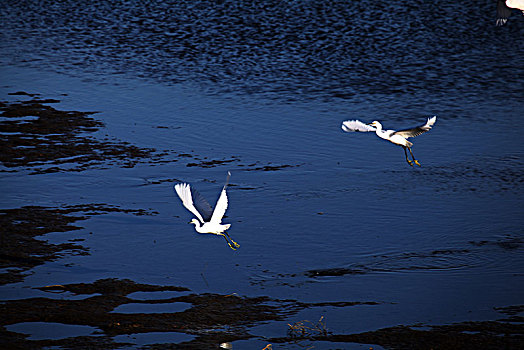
<point>396,137</point>
<point>209,220</point>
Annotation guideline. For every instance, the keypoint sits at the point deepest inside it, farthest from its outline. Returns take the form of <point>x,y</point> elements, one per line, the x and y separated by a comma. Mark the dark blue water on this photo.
<point>265,86</point>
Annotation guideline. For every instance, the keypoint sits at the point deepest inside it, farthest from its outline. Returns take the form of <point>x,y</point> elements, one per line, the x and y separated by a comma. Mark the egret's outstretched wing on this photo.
<point>203,207</point>
<point>221,206</point>
<point>194,202</point>
<point>356,125</point>
<point>418,130</point>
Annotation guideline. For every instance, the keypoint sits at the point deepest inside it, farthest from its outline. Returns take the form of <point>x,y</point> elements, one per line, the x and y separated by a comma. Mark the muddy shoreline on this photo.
<point>213,319</point>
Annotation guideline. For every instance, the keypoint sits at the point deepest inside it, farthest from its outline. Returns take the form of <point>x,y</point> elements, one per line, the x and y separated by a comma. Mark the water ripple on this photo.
<point>280,49</point>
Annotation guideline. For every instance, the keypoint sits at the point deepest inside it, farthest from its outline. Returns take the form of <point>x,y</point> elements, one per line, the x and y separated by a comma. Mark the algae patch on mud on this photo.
<point>40,138</point>
<point>211,319</point>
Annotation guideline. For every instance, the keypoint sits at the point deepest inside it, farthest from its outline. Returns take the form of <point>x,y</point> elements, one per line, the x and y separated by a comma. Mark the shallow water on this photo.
<point>43,330</point>
<point>322,216</point>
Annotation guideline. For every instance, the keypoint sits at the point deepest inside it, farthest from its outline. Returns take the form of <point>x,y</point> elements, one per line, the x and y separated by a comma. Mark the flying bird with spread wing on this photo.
<point>397,137</point>
<point>207,220</point>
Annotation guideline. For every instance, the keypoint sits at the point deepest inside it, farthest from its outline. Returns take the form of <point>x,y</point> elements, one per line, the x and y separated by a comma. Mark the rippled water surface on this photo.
<point>186,91</point>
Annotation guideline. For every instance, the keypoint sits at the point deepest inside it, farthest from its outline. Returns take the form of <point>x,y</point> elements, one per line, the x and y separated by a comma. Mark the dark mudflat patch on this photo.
<point>496,335</point>
<point>212,319</point>
<point>21,249</point>
<point>336,271</point>
<point>257,166</point>
<point>22,93</point>
<point>110,286</point>
<point>44,139</point>
<point>213,162</point>
<point>270,167</point>
<point>511,310</point>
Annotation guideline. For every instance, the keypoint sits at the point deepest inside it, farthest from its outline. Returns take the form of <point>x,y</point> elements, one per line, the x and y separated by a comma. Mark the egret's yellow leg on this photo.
<point>229,244</point>
<point>412,156</point>
<point>407,159</point>
<point>231,239</point>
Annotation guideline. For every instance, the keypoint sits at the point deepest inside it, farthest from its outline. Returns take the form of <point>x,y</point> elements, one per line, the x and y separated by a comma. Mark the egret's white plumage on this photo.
<point>504,9</point>
<point>397,137</point>
<point>356,125</point>
<point>208,220</point>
